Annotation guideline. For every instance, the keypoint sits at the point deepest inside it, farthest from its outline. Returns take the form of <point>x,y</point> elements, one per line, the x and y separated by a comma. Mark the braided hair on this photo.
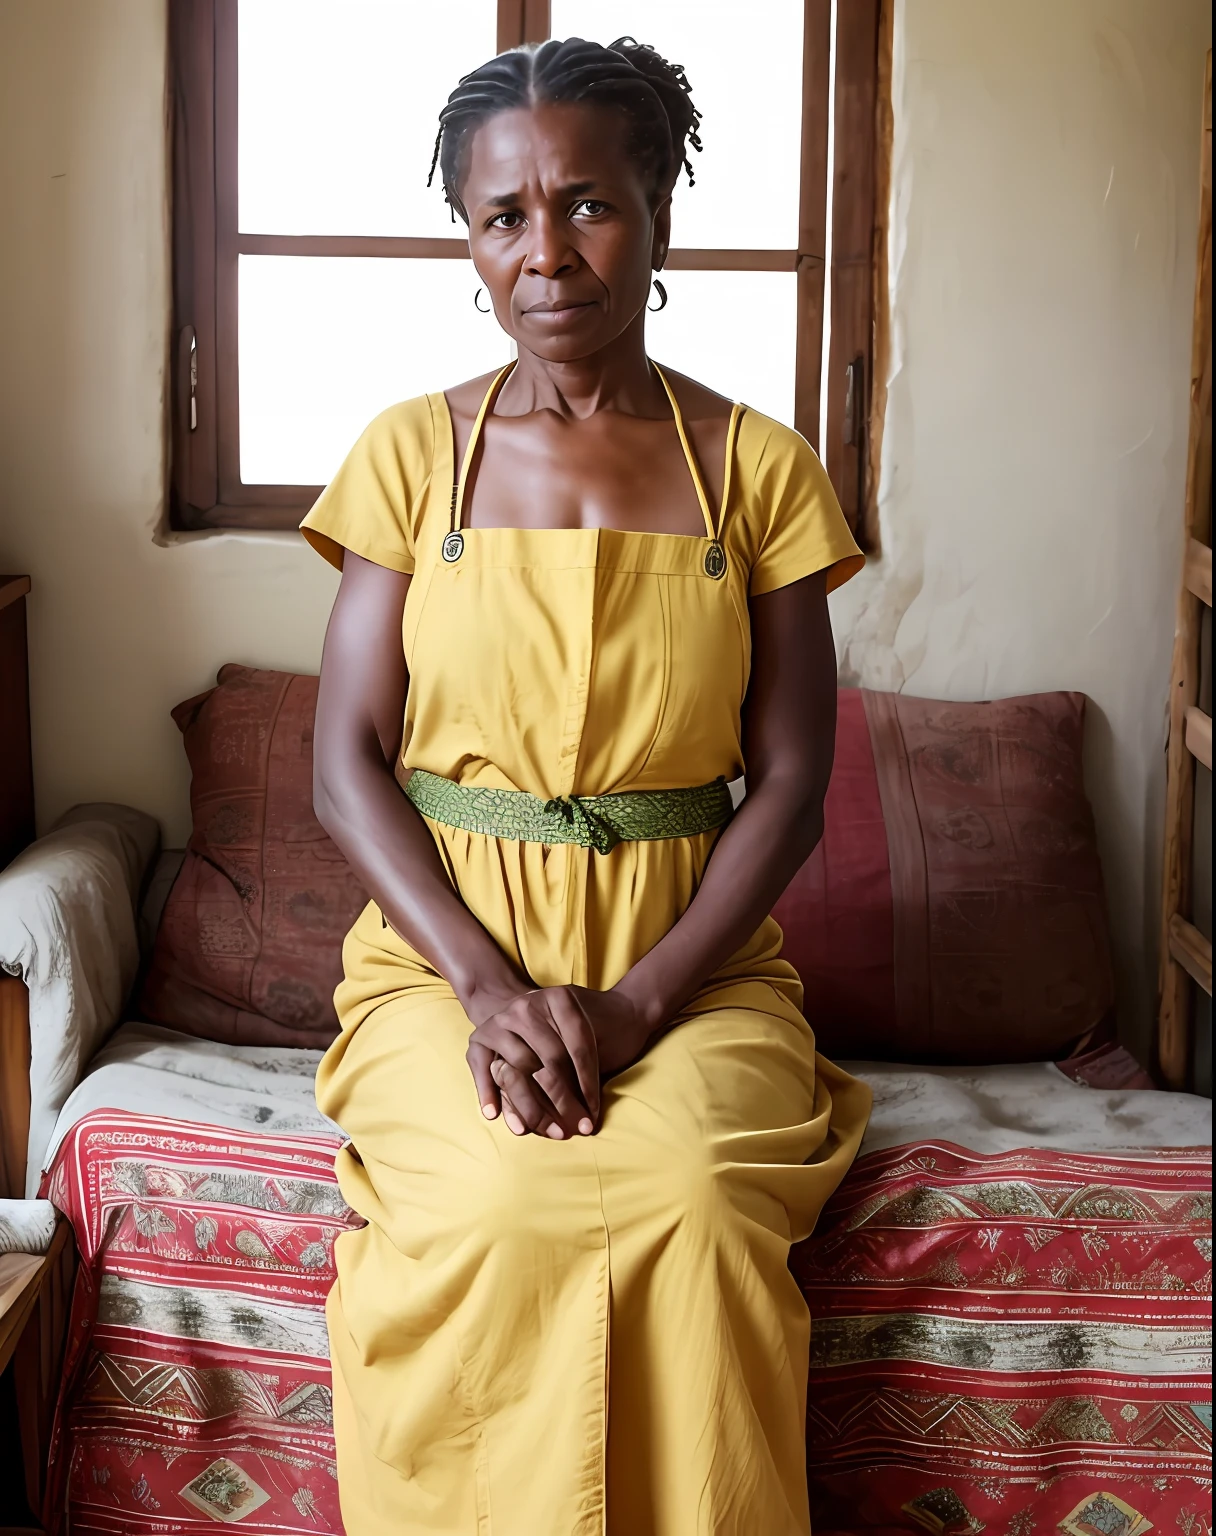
<point>654,96</point>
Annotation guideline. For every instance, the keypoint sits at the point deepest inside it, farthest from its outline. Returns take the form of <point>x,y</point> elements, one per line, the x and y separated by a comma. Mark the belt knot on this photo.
<point>573,809</point>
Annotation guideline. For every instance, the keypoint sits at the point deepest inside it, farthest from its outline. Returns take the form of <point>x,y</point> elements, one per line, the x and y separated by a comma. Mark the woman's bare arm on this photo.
<point>360,709</point>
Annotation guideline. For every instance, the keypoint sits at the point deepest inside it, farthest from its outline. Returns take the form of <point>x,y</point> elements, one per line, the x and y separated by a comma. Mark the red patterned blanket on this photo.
<point>1017,1343</point>
<point>197,1381</point>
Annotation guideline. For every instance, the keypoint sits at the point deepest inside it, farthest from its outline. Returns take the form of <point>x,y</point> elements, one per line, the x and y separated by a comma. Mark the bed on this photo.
<point>1011,1297</point>
<point>1010,1293</point>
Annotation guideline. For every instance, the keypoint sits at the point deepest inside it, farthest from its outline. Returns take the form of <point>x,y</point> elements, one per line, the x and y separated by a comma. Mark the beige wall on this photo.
<point>121,628</point>
<point>1044,211</point>
<point>1042,255</point>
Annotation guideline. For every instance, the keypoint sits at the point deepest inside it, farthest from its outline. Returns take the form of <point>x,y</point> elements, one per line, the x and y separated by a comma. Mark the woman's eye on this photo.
<point>507,221</point>
<point>589,208</point>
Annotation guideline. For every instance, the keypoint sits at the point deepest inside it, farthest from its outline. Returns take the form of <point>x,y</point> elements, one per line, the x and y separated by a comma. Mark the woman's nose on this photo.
<point>550,253</point>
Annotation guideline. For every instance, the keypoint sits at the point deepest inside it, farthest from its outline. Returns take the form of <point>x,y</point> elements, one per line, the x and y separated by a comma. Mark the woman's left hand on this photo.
<point>621,1033</point>
<point>621,1036</point>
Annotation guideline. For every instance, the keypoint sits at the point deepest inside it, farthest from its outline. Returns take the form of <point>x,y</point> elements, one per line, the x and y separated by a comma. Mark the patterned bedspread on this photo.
<point>1015,1342</point>
<point>197,1381</point>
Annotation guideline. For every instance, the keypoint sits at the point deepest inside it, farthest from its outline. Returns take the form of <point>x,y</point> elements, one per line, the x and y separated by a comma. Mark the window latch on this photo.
<point>188,355</point>
<point>854,388</point>
<point>193,381</point>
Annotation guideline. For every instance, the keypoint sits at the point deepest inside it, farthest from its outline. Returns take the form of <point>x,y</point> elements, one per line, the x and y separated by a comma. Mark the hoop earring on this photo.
<point>478,307</point>
<point>662,293</point>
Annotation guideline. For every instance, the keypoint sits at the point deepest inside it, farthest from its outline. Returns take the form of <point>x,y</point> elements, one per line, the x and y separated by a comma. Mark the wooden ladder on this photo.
<point>1186,954</point>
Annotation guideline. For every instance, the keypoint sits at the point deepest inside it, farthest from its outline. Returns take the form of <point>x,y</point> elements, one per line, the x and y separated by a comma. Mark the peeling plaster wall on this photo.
<point>1042,260</point>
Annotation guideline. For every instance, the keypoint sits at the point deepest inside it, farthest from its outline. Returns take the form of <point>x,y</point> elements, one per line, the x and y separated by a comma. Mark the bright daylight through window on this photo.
<point>318,279</point>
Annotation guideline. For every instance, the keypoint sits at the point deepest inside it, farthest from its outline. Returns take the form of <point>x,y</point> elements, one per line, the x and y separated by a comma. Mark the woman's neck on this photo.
<point>617,378</point>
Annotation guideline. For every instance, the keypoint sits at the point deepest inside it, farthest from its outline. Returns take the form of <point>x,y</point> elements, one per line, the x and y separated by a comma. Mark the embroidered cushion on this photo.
<point>954,911</point>
<point>249,949</point>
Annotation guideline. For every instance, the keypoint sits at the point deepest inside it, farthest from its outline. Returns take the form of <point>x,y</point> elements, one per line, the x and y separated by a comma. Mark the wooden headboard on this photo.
<point>16,765</point>
<point>14,1086</point>
<point>16,830</point>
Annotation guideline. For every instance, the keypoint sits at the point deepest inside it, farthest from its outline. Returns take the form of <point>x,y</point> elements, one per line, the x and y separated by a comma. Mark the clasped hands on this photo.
<point>539,1059</point>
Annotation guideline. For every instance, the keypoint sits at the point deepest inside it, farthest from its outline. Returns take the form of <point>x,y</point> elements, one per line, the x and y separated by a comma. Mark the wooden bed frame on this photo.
<point>34,1331</point>
<point>14,1085</point>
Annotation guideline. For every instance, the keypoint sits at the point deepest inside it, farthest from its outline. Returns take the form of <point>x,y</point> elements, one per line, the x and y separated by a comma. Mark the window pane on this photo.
<point>734,331</point>
<point>327,342</point>
<point>338,109</point>
<point>745,66</point>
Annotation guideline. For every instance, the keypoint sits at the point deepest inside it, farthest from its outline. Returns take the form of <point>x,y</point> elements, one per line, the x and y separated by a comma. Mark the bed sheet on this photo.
<point>147,1069</point>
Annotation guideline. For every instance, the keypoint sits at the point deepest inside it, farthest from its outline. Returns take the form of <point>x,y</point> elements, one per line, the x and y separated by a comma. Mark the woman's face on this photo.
<point>563,230</point>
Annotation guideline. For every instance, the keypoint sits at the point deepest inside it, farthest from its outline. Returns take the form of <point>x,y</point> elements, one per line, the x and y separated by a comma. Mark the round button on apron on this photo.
<point>453,547</point>
<point>715,560</point>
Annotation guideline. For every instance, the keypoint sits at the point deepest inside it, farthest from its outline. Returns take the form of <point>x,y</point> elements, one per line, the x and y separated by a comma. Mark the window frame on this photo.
<point>206,490</point>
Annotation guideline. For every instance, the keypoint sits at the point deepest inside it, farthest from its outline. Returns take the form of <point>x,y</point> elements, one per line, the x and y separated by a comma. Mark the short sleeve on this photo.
<point>373,505</point>
<point>795,525</point>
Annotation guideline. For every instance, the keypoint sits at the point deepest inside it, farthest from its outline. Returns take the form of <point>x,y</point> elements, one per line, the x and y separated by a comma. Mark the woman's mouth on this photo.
<point>559,310</point>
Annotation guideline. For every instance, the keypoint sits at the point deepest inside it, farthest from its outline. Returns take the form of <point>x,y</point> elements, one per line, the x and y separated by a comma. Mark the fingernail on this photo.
<point>557,1133</point>
<point>515,1124</point>
<point>490,1111</point>
<point>585,1127</point>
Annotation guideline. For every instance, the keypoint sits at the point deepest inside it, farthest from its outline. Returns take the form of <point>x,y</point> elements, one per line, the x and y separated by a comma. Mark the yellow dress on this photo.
<point>541,1338</point>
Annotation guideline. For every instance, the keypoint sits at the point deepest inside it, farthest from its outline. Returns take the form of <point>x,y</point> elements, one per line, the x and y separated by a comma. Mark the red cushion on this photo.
<point>836,915</point>
<point>249,949</point>
<point>954,911</point>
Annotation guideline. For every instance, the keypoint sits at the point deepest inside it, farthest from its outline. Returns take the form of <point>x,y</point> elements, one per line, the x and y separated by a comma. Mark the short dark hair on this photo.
<point>654,96</point>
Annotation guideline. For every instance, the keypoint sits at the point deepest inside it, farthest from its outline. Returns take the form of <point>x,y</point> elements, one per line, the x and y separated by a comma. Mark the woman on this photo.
<point>586,1117</point>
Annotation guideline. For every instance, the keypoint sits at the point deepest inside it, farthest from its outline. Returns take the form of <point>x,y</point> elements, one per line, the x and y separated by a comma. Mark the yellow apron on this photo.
<point>540,1338</point>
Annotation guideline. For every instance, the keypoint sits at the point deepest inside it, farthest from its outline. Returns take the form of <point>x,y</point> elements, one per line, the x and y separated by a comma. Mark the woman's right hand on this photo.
<point>535,1059</point>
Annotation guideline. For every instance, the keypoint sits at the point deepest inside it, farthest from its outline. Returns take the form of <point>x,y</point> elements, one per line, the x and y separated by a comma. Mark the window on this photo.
<point>317,279</point>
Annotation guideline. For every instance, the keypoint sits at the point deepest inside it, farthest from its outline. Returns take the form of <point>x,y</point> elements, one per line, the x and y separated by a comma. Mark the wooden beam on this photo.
<point>884,149</point>
<point>1199,735</point>
<point>192,113</point>
<point>847,386</point>
<point>1199,571</point>
<point>11,588</point>
<point>14,1086</point>
<point>16,757</point>
<point>537,21</point>
<point>682,258</point>
<point>1174,1012</point>
<point>1192,951</point>
<point>20,1274</point>
<point>690,258</point>
<point>38,1361</point>
<point>510,24</point>
<point>454,249</point>
<point>812,215</point>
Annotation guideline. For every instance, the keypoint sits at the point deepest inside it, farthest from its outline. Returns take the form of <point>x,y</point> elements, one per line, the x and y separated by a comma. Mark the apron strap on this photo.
<point>458,497</point>
<point>690,458</point>
<point>712,530</point>
<point>732,431</point>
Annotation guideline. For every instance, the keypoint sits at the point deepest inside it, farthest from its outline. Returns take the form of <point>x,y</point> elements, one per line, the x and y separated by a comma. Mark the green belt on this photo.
<point>593,821</point>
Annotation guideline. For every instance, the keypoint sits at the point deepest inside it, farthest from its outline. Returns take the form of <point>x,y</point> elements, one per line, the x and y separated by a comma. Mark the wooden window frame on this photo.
<point>206,490</point>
